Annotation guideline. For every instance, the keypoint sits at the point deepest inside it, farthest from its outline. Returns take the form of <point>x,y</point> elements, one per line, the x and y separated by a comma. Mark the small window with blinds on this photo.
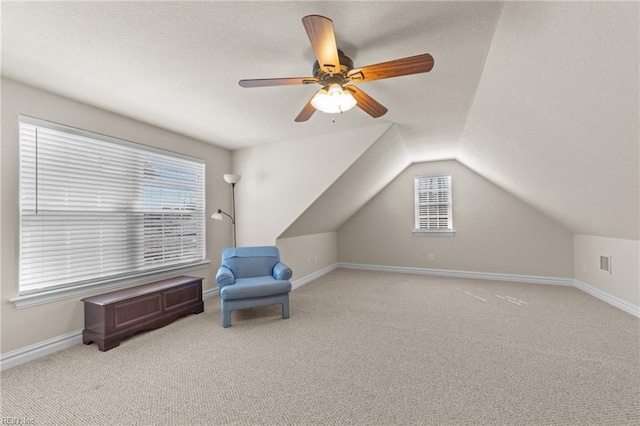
<point>95,209</point>
<point>433,205</point>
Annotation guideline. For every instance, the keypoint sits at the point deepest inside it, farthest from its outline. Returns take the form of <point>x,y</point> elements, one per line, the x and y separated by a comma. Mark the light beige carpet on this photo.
<point>360,348</point>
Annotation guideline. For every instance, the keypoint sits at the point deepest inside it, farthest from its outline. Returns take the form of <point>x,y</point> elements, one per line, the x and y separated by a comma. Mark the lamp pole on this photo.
<point>233,179</point>
<point>233,210</point>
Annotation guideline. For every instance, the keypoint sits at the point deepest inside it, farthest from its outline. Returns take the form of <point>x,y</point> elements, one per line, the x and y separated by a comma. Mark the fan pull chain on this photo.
<point>333,118</point>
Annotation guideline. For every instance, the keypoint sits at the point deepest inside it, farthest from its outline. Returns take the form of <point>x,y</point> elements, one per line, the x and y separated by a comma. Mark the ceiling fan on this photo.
<point>334,71</point>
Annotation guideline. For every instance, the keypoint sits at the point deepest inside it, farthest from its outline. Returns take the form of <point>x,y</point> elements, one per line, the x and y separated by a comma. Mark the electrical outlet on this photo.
<point>432,256</point>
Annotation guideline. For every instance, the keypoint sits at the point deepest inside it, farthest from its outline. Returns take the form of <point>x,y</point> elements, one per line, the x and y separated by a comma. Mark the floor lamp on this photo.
<point>231,179</point>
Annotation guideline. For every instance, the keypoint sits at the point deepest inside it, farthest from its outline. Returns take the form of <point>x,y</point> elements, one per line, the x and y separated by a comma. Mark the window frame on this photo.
<point>449,230</point>
<point>196,258</point>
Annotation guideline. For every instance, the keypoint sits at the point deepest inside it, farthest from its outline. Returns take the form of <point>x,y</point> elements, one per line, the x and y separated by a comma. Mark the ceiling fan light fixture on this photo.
<point>334,100</point>
<point>332,69</point>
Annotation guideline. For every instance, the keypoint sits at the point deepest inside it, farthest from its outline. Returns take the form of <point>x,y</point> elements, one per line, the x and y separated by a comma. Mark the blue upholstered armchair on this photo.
<point>252,276</point>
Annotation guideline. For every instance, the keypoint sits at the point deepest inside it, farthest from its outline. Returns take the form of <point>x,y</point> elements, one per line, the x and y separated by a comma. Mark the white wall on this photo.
<point>624,280</point>
<point>280,180</point>
<point>495,231</point>
<point>308,254</point>
<point>371,172</point>
<point>27,326</point>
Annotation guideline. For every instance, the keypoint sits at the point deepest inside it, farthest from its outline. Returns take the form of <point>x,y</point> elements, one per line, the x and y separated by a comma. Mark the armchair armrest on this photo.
<point>225,277</point>
<point>282,271</point>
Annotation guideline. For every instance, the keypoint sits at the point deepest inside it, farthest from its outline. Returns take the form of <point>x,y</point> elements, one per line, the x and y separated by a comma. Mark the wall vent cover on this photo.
<point>605,264</point>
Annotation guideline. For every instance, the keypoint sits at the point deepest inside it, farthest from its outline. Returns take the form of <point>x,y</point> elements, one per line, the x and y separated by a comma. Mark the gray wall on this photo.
<point>495,231</point>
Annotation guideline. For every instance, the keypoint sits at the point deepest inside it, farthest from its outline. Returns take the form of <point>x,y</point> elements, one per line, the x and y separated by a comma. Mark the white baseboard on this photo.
<point>460,274</point>
<point>31,352</point>
<point>40,349</point>
<point>209,293</point>
<point>605,297</point>
<point>313,276</point>
<point>46,347</point>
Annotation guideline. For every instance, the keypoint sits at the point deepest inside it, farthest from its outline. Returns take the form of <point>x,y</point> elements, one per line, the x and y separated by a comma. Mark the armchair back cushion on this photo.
<point>248,262</point>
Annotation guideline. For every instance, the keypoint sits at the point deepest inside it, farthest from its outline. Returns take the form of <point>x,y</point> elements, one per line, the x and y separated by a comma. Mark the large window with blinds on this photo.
<point>433,204</point>
<point>95,208</point>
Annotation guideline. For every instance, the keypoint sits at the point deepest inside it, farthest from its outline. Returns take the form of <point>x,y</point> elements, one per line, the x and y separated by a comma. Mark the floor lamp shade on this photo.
<point>231,178</point>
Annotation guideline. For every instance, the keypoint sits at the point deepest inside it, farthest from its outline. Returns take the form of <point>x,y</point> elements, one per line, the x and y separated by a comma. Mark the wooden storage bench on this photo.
<point>112,317</point>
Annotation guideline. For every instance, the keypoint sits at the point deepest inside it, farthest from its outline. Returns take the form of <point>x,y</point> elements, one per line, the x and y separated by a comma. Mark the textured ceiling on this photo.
<point>177,64</point>
<point>539,97</point>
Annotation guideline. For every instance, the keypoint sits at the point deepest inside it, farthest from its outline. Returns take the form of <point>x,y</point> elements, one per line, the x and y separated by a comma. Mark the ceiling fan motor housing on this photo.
<point>340,77</point>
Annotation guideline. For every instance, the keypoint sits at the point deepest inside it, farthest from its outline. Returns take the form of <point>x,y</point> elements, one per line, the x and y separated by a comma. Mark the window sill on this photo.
<point>423,233</point>
<point>48,296</point>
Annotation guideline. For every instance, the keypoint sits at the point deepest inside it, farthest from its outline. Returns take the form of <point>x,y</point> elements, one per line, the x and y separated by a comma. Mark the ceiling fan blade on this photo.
<point>323,40</point>
<point>396,68</point>
<point>264,82</point>
<point>306,113</point>
<point>367,103</point>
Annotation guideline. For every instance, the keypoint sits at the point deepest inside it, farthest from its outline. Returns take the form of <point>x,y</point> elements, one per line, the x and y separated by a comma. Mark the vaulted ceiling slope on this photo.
<point>555,118</point>
<point>177,64</point>
<point>554,121</point>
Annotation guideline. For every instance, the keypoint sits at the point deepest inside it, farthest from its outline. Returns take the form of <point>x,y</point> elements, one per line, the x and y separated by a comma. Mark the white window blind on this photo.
<point>433,207</point>
<point>94,207</point>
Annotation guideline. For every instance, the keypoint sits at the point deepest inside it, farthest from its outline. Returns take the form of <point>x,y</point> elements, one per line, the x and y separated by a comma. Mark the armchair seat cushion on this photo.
<point>255,287</point>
